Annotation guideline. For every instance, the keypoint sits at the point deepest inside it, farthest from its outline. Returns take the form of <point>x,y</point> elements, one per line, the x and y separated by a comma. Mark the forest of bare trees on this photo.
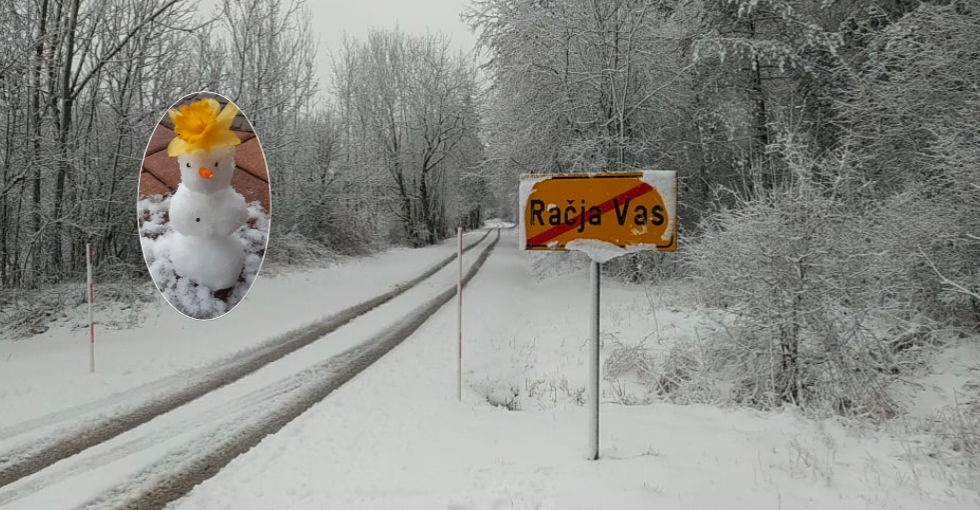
<point>828,151</point>
<point>386,155</point>
<point>407,106</point>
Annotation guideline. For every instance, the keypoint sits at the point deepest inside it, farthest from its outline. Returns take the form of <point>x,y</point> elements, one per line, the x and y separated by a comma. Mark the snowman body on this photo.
<point>205,212</point>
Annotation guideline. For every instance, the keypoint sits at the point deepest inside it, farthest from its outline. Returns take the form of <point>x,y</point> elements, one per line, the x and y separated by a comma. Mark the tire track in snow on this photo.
<point>174,476</point>
<point>209,421</point>
<point>61,444</point>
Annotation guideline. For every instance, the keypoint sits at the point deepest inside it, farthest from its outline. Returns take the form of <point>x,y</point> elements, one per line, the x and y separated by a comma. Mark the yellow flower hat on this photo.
<point>202,125</point>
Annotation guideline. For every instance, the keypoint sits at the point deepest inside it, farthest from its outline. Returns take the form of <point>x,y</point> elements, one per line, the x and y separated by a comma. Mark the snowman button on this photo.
<point>199,220</point>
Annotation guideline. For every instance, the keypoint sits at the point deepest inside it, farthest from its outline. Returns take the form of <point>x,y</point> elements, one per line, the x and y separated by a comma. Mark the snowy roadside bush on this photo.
<point>828,299</point>
<point>959,426</point>
<point>629,366</point>
<point>913,120</point>
<point>292,248</point>
<point>650,266</point>
<point>25,313</point>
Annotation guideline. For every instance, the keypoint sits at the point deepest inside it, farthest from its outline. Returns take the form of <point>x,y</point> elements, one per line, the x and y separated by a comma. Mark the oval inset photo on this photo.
<point>203,206</point>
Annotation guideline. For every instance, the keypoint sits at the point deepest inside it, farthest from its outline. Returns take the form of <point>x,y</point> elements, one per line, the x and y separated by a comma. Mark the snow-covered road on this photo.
<point>46,378</point>
<point>68,431</point>
<point>141,454</point>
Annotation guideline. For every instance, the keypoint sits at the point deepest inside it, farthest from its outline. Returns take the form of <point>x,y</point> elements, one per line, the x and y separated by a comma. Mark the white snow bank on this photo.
<point>602,251</point>
<point>951,379</point>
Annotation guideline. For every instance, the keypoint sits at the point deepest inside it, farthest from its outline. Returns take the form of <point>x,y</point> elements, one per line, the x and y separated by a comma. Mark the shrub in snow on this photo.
<point>810,281</point>
<point>294,249</point>
<point>629,365</point>
<point>547,264</point>
<point>959,426</point>
<point>913,118</point>
<point>628,359</point>
<point>499,394</point>
<point>649,266</point>
<point>683,376</point>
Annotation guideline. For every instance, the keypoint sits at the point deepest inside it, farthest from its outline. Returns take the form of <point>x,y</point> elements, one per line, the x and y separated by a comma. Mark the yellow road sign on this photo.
<point>635,211</point>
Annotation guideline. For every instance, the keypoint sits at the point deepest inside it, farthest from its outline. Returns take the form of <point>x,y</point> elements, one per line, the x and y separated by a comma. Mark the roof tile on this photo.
<point>249,156</point>
<point>163,167</point>
<point>150,185</point>
<point>251,188</point>
<point>160,139</point>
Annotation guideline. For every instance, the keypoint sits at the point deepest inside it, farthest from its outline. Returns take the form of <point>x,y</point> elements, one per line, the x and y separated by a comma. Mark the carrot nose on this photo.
<point>204,172</point>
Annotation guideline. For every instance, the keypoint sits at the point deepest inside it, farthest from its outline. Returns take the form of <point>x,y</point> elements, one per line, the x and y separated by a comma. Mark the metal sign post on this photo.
<point>594,273</point>
<point>459,315</point>
<point>91,301</point>
<point>604,215</point>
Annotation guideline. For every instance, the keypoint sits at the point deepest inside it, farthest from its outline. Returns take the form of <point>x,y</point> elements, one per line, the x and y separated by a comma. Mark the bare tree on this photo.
<point>408,104</point>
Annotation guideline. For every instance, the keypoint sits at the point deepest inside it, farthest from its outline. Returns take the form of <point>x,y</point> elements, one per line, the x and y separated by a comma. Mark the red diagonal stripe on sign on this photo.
<point>553,232</point>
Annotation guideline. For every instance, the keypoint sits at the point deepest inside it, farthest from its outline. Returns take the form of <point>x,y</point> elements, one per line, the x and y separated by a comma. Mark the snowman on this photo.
<point>205,211</point>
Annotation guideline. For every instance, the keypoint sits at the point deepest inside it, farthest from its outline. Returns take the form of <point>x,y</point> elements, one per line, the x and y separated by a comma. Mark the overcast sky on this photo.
<point>331,18</point>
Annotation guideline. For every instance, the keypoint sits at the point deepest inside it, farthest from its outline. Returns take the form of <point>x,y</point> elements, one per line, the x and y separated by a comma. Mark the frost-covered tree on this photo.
<point>913,117</point>
<point>771,54</point>
<point>577,86</point>
<point>408,107</point>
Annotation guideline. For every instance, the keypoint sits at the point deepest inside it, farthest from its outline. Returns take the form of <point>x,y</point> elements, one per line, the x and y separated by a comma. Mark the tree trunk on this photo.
<point>64,132</point>
<point>761,119</point>
<point>36,117</point>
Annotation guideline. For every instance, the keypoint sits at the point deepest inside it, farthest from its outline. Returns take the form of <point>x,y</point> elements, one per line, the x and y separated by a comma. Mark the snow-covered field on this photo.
<point>395,436</point>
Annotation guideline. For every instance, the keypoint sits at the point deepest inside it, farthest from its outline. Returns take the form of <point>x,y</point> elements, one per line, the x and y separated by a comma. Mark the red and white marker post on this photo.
<point>459,315</point>
<point>91,301</point>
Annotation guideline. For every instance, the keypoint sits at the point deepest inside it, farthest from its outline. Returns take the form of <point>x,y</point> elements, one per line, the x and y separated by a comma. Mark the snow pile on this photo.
<point>157,237</point>
<point>602,251</point>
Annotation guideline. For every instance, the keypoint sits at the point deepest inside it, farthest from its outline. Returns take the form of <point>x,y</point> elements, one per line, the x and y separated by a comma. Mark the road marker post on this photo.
<point>91,301</point>
<point>605,216</point>
<point>459,315</point>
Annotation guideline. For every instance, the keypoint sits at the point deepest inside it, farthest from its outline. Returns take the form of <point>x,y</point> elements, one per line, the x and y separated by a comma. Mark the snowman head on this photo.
<point>205,144</point>
<point>207,171</point>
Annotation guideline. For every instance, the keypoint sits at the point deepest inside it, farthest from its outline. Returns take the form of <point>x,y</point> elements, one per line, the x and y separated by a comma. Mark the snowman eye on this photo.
<point>216,164</point>
<point>188,165</point>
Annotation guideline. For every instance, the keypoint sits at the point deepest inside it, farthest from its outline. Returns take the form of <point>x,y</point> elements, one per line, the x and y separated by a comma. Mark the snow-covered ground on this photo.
<point>395,436</point>
<point>139,455</point>
<point>49,373</point>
